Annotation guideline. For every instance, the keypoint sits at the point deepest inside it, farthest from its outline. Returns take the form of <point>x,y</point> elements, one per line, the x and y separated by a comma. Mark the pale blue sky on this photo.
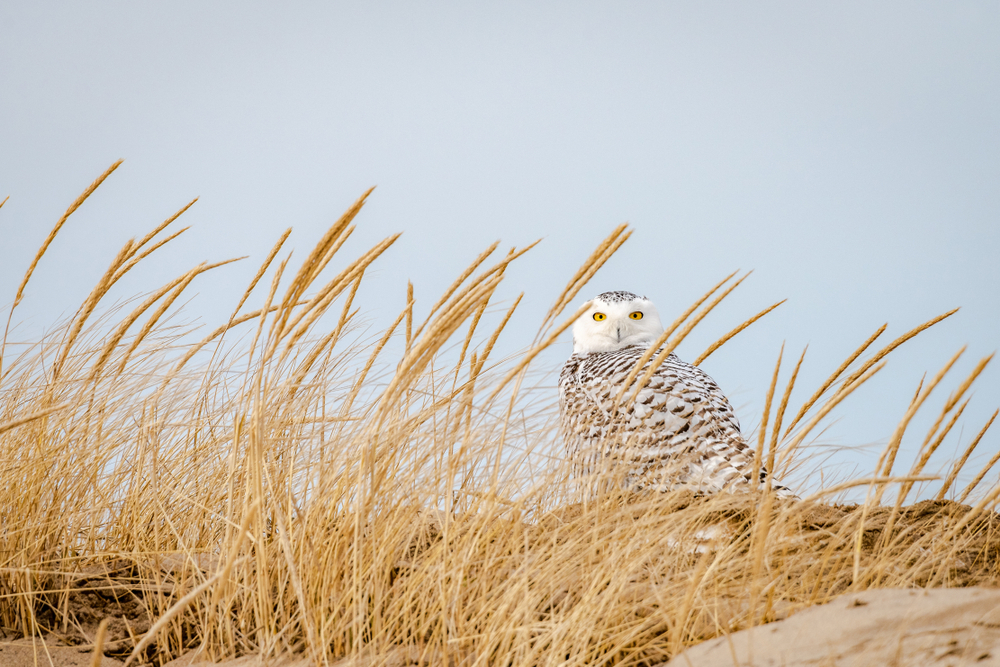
<point>849,152</point>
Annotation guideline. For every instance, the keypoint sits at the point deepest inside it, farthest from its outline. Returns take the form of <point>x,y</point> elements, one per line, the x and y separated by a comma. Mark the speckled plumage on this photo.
<point>680,431</point>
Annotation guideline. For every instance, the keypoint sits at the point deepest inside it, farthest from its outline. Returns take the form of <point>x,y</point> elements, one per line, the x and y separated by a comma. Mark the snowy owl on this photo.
<point>680,432</point>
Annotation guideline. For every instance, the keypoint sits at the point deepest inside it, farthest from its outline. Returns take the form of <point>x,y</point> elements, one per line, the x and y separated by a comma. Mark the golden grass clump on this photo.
<point>287,485</point>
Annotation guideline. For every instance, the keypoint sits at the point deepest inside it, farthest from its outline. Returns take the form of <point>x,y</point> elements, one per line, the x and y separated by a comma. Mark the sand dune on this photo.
<point>902,628</point>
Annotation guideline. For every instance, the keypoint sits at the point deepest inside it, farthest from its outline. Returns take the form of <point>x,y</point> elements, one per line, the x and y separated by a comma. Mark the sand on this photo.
<point>900,628</point>
<point>879,628</point>
<point>23,652</point>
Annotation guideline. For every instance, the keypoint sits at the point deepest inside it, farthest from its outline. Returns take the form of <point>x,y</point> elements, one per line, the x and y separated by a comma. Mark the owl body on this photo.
<point>680,430</point>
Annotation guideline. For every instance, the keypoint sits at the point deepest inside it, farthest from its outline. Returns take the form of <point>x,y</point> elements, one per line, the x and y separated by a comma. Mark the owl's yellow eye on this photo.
<point>600,317</point>
<point>637,315</point>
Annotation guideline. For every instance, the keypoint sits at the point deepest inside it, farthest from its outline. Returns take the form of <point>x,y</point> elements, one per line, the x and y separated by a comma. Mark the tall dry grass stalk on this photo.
<point>311,492</point>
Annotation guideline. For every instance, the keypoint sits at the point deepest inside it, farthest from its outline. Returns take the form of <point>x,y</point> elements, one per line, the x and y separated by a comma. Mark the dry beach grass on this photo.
<point>281,487</point>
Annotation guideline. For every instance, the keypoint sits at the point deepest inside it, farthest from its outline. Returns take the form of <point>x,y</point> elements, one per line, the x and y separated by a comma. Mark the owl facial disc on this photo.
<point>614,320</point>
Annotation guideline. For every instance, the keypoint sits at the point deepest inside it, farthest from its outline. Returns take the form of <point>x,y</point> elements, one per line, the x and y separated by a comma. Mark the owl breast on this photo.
<point>679,431</point>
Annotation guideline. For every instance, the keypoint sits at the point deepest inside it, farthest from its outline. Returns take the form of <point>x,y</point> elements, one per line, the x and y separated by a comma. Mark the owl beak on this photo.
<point>618,332</point>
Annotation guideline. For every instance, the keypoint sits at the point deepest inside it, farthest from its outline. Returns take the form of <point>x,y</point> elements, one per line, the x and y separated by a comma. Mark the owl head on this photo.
<point>614,320</point>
